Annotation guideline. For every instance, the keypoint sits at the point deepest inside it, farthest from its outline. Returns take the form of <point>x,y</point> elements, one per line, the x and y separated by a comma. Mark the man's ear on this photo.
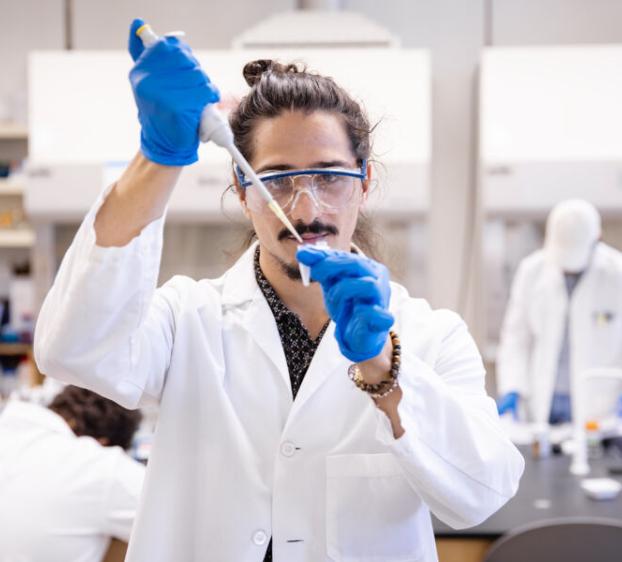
<point>241,195</point>
<point>367,182</point>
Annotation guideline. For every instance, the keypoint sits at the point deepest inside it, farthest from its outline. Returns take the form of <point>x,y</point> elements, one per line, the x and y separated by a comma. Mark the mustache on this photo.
<point>316,227</point>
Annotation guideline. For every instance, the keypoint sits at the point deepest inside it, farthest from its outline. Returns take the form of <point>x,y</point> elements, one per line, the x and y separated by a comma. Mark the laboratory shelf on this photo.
<point>17,238</point>
<point>13,131</point>
<point>16,348</point>
<point>11,187</point>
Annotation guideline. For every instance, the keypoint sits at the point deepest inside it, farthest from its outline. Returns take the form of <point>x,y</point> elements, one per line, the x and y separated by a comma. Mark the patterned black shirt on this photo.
<point>299,348</point>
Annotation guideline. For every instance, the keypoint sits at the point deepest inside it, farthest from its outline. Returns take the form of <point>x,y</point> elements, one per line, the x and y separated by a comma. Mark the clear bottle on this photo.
<point>593,439</point>
<point>541,445</point>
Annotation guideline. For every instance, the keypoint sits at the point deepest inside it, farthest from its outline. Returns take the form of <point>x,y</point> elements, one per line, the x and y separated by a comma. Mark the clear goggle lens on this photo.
<point>330,189</point>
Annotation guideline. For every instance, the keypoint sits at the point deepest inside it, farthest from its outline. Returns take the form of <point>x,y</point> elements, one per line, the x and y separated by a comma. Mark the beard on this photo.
<point>292,271</point>
<point>316,227</point>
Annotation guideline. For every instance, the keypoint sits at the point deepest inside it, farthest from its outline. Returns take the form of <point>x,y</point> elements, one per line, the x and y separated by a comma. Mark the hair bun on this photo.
<point>254,70</point>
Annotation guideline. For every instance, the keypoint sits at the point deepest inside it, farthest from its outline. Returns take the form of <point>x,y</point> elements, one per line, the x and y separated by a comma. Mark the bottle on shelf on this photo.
<point>593,439</point>
<point>541,444</point>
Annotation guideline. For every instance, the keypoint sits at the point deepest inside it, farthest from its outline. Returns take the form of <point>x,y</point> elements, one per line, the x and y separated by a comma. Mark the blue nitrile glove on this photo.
<point>509,403</point>
<point>356,292</point>
<point>170,90</point>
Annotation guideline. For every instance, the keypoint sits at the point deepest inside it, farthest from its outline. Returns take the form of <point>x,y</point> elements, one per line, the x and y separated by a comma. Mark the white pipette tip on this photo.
<point>276,209</point>
<point>305,270</point>
<point>305,274</point>
<point>146,33</point>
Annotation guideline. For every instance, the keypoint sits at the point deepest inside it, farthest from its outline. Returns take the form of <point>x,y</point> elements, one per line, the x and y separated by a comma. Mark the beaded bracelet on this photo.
<point>387,386</point>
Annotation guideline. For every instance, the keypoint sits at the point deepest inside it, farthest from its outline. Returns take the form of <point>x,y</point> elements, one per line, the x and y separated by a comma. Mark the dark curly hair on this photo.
<point>90,414</point>
<point>277,88</point>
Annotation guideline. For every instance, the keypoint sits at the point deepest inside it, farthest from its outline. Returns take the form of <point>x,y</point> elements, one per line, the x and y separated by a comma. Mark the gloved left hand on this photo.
<point>356,293</point>
<point>171,91</point>
<point>509,403</point>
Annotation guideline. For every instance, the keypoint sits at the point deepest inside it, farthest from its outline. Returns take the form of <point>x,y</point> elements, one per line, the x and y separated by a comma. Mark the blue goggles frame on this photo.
<point>361,174</point>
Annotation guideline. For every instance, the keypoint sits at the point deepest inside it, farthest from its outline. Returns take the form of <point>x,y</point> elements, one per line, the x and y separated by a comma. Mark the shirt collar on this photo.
<point>276,304</point>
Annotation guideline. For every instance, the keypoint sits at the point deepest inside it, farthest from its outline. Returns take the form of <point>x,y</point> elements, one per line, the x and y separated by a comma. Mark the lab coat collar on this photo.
<point>240,289</point>
<point>239,283</point>
<point>552,279</point>
<point>599,257</point>
<point>597,262</point>
<point>326,362</point>
<point>17,412</point>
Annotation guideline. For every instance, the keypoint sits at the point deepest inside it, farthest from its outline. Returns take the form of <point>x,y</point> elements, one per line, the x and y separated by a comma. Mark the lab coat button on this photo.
<point>288,449</point>
<point>260,538</point>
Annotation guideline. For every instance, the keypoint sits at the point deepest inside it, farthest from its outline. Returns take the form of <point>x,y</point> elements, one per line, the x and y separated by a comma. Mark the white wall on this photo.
<point>454,30</point>
<point>556,22</point>
<point>40,24</point>
<point>26,25</point>
<point>207,23</point>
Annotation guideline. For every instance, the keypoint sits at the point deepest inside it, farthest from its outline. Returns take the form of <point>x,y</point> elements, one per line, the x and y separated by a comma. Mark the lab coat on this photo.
<point>62,497</point>
<point>533,329</point>
<point>235,461</point>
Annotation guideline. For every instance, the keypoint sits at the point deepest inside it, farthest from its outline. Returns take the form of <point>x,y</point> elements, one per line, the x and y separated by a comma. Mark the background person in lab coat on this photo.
<point>265,449</point>
<point>66,485</point>
<point>564,317</point>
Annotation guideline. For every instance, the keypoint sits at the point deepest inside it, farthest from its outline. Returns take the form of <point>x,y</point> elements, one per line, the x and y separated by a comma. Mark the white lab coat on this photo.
<point>533,330</point>
<point>235,460</point>
<point>62,497</point>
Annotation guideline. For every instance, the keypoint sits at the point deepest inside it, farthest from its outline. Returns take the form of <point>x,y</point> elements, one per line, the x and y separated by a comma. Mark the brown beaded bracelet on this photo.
<point>385,387</point>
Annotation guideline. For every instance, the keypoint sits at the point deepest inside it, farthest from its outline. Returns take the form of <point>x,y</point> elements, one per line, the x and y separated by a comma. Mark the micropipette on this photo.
<point>216,128</point>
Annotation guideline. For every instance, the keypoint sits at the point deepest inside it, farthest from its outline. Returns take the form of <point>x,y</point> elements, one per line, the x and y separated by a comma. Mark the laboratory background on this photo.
<point>488,114</point>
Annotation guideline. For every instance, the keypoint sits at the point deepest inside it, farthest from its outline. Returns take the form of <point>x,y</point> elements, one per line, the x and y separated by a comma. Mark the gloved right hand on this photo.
<point>171,91</point>
<point>509,403</point>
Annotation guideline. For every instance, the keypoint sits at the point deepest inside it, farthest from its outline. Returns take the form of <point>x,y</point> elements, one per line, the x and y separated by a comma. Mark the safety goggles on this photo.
<point>330,189</point>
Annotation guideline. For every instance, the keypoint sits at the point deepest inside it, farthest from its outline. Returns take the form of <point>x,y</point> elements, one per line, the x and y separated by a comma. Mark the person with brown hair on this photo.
<point>297,424</point>
<point>66,485</point>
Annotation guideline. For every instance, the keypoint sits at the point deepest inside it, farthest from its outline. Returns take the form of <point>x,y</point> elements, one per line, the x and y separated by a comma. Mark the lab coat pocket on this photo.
<point>371,511</point>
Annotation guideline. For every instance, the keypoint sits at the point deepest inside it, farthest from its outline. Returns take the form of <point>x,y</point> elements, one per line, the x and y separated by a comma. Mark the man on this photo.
<point>66,485</point>
<point>265,449</point>
<point>564,317</point>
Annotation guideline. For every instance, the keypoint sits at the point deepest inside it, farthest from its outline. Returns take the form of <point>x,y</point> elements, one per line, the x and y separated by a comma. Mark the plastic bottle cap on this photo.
<point>592,425</point>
